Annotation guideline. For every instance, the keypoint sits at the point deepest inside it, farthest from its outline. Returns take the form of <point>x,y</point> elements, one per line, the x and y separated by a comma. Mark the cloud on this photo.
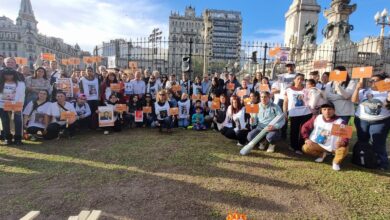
<point>267,36</point>
<point>90,22</point>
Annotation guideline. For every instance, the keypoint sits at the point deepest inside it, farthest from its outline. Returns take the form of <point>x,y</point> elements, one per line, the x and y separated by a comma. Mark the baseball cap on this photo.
<point>82,96</point>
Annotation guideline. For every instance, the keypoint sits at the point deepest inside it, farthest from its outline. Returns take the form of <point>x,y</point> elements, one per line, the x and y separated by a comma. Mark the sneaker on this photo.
<point>106,132</point>
<point>33,138</point>
<point>299,152</point>
<point>240,145</point>
<point>322,158</point>
<point>335,167</point>
<point>271,148</point>
<point>7,142</point>
<point>262,146</point>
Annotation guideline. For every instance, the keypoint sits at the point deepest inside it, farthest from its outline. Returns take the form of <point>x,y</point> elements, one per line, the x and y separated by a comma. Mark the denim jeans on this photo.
<point>376,132</point>
<point>271,136</point>
<point>166,123</point>
<point>183,122</point>
<point>5,121</point>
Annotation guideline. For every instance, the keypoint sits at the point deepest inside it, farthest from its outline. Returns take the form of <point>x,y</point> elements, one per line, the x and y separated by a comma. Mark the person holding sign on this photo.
<point>215,88</point>
<point>110,115</point>
<point>297,111</point>
<point>236,123</point>
<point>231,84</point>
<point>148,110</point>
<point>267,112</point>
<point>83,111</point>
<point>153,87</point>
<point>163,116</point>
<point>220,113</point>
<point>55,73</point>
<point>319,140</point>
<point>34,114</point>
<point>12,92</point>
<point>54,123</point>
<point>108,85</point>
<point>242,91</point>
<point>372,117</point>
<point>35,83</point>
<point>135,105</point>
<point>339,93</point>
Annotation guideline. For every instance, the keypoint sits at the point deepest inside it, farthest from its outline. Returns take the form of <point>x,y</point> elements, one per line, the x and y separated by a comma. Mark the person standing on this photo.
<point>297,111</point>
<point>279,89</point>
<point>138,85</point>
<point>55,73</point>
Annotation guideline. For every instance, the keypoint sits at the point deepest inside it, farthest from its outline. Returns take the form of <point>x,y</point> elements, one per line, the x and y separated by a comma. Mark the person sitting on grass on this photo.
<point>161,108</point>
<point>319,140</point>
<point>83,111</point>
<point>267,112</point>
<point>55,126</point>
<point>198,120</point>
<point>184,111</point>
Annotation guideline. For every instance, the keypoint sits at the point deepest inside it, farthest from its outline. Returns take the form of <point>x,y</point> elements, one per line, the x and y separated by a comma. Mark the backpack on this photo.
<point>364,155</point>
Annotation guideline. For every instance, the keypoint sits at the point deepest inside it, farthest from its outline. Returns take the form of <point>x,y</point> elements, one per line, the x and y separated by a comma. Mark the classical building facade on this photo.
<point>183,29</point>
<point>215,35</point>
<point>23,39</point>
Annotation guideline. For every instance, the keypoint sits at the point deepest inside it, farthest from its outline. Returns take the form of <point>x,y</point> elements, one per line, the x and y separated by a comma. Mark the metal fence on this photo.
<point>246,58</point>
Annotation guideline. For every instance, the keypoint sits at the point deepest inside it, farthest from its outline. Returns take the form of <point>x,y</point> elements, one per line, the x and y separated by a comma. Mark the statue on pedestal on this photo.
<point>309,36</point>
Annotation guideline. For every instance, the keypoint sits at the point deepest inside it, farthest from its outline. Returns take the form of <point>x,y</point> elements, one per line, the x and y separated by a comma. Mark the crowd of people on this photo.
<point>239,110</point>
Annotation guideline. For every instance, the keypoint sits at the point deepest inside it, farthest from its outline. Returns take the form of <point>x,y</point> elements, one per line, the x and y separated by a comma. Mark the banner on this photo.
<point>343,131</point>
<point>74,61</point>
<point>121,108</point>
<point>139,116</point>
<point>252,108</point>
<point>10,106</point>
<point>65,62</point>
<point>362,72</point>
<point>48,56</point>
<point>106,116</point>
<point>383,85</point>
<point>339,76</point>
<point>147,109</point>
<point>68,116</point>
<point>320,64</point>
<point>21,61</point>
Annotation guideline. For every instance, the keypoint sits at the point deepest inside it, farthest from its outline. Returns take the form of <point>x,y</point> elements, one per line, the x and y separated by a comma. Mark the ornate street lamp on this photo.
<point>382,19</point>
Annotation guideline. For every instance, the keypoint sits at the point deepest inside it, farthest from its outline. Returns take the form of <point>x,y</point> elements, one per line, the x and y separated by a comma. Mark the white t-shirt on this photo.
<point>372,105</point>
<point>321,133</point>
<point>162,112</point>
<point>184,108</point>
<point>153,90</point>
<point>55,111</point>
<point>129,88</point>
<point>91,88</point>
<point>83,110</point>
<point>296,103</point>
<point>283,83</point>
<point>37,117</point>
<point>238,118</point>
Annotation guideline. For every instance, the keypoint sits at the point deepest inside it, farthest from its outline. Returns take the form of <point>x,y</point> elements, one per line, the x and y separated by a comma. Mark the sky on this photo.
<point>90,22</point>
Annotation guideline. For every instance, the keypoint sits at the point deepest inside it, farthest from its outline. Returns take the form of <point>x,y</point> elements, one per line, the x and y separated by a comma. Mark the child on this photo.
<point>198,120</point>
<point>83,111</point>
<point>314,97</point>
<point>184,111</point>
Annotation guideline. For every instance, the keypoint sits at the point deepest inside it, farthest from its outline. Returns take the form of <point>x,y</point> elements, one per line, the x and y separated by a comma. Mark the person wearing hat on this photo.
<point>318,138</point>
<point>280,86</point>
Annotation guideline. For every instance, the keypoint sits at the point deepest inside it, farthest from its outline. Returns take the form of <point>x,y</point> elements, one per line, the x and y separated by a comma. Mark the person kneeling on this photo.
<point>267,112</point>
<point>318,138</point>
<point>55,126</point>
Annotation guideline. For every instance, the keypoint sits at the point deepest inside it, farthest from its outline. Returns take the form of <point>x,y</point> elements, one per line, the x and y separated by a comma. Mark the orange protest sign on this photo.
<point>204,98</point>
<point>115,87</point>
<point>241,93</point>
<point>21,61</point>
<point>176,88</point>
<point>13,106</point>
<point>343,131</point>
<point>320,64</point>
<point>362,72</point>
<point>339,76</point>
<point>76,89</point>
<point>195,97</point>
<point>121,108</point>
<point>65,62</point>
<point>68,116</point>
<point>230,86</point>
<point>215,105</point>
<point>383,85</point>
<point>88,60</point>
<point>274,51</point>
<point>236,216</point>
<point>97,59</point>
<point>74,61</point>
<point>174,111</point>
<point>147,109</point>
<point>48,56</point>
<point>252,108</point>
<point>264,88</point>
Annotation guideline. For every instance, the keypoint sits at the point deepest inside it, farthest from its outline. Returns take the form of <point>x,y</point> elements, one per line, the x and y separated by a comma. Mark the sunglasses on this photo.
<point>162,94</point>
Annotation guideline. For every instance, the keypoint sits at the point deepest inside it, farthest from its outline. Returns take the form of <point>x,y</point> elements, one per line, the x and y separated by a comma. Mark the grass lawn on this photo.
<point>141,174</point>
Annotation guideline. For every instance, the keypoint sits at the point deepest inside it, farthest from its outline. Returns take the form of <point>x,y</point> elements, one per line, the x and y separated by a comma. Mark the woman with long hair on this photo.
<point>11,90</point>
<point>35,83</point>
<point>161,108</point>
<point>34,114</point>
